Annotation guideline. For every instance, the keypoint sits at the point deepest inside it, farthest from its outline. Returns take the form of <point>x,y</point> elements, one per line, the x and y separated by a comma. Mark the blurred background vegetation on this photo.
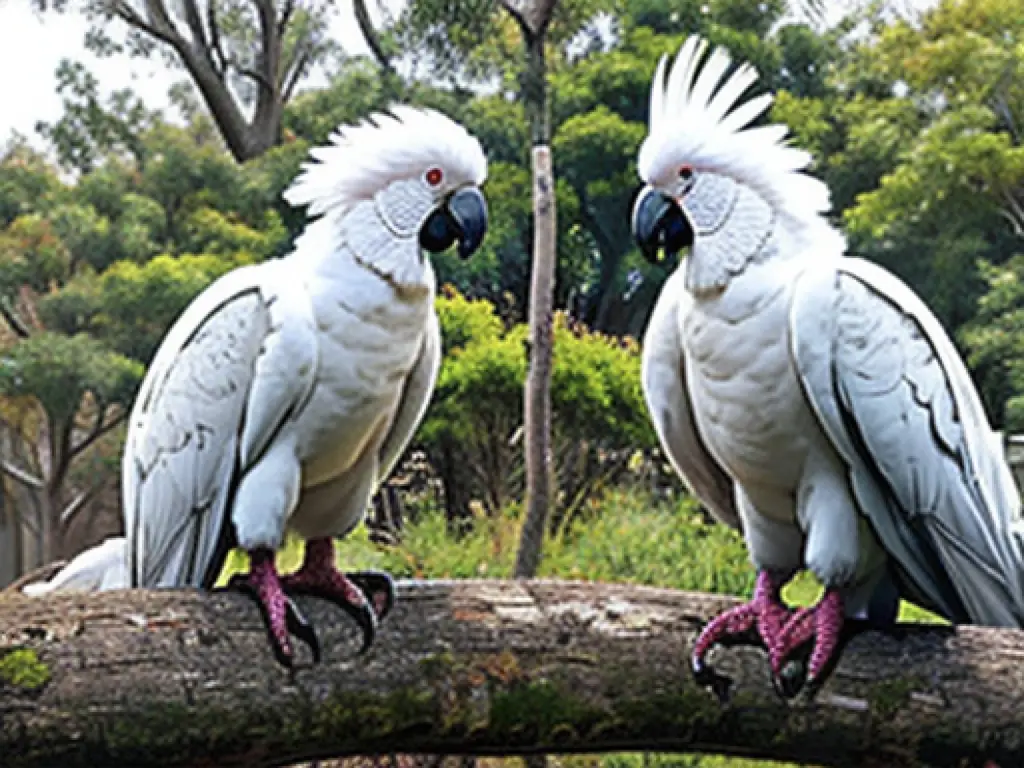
<point>915,120</point>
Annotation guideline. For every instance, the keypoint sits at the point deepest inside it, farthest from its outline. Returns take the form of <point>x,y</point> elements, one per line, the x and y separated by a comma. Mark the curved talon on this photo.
<point>379,589</point>
<point>707,677</point>
<point>790,680</point>
<point>299,626</point>
<point>365,617</point>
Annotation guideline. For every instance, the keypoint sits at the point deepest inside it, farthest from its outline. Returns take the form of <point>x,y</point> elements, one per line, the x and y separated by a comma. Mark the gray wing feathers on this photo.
<point>898,405</point>
<point>282,380</point>
<point>415,399</point>
<point>184,454</point>
<point>668,402</point>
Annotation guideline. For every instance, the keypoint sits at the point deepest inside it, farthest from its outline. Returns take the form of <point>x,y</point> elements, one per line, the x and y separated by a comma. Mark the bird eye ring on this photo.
<point>686,172</point>
<point>434,176</point>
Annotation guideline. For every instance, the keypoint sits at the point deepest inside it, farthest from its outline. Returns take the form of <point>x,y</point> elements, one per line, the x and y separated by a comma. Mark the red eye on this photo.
<point>434,176</point>
<point>686,172</point>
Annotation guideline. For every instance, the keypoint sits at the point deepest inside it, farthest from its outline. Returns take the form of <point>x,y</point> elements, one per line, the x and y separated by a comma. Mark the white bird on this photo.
<point>808,398</point>
<point>285,393</point>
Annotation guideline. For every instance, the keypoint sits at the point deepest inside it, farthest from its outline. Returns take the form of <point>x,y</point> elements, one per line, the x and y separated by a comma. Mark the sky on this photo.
<point>31,46</point>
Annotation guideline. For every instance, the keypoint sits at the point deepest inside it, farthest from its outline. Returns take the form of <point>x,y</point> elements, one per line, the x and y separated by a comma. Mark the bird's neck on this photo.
<point>360,237</point>
<point>733,228</point>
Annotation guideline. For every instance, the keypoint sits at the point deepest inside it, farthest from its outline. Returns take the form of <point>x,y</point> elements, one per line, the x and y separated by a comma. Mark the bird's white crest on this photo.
<point>364,158</point>
<point>697,118</point>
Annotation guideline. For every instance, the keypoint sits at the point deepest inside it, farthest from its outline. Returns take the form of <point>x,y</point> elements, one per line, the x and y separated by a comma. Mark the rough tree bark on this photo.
<point>477,667</point>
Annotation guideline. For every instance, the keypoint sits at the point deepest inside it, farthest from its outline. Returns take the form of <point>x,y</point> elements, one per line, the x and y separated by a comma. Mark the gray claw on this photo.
<point>378,588</point>
<point>366,618</point>
<point>300,627</point>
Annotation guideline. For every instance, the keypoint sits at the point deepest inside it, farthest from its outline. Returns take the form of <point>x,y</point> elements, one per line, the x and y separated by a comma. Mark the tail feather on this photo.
<point>98,569</point>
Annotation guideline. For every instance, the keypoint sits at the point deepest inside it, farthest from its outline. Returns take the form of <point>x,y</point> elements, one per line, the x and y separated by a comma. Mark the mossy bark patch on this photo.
<point>23,669</point>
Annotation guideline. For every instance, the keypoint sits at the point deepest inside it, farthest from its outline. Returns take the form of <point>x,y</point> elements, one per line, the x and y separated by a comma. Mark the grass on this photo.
<point>625,538</point>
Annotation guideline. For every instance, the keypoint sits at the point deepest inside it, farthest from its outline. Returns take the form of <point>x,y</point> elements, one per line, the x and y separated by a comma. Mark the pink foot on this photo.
<point>367,596</point>
<point>765,613</point>
<point>824,624</point>
<point>280,613</point>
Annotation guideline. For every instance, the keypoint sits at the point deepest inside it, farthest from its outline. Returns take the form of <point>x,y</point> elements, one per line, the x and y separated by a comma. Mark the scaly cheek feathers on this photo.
<point>710,201</point>
<point>404,205</point>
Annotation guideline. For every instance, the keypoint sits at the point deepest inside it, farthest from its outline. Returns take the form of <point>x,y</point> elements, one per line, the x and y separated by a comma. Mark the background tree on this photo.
<point>246,59</point>
<point>92,272</point>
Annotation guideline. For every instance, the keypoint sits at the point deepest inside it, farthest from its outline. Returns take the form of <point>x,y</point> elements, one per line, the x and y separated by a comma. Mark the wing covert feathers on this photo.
<point>892,394</point>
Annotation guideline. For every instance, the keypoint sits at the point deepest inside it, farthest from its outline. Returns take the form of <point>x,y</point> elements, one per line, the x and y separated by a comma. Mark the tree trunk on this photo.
<point>49,530</point>
<point>533,21</point>
<point>184,678</point>
<point>537,411</point>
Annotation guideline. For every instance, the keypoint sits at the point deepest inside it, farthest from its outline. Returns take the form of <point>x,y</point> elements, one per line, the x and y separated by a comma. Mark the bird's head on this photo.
<point>700,159</point>
<point>398,181</point>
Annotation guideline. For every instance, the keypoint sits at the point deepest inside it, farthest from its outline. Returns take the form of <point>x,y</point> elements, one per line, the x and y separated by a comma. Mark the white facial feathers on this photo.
<point>697,119</point>
<point>365,158</point>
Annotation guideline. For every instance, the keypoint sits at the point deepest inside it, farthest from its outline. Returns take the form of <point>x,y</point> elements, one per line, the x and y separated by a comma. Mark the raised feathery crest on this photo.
<point>697,118</point>
<point>366,157</point>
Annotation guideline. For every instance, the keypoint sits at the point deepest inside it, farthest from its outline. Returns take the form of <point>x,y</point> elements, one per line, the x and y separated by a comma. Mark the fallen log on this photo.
<point>183,678</point>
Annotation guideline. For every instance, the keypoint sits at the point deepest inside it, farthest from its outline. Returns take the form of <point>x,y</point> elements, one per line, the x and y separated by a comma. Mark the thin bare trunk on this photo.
<point>533,23</point>
<point>538,383</point>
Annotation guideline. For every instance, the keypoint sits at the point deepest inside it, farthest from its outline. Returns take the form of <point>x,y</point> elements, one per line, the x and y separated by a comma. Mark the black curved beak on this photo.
<point>659,224</point>
<point>463,217</point>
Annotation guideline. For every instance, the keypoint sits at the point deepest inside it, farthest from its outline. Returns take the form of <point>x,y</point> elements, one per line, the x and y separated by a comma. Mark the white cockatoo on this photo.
<point>808,398</point>
<point>285,393</point>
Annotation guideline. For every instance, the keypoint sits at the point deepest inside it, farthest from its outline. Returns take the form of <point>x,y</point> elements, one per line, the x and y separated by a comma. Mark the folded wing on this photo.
<point>231,371</point>
<point>926,470</point>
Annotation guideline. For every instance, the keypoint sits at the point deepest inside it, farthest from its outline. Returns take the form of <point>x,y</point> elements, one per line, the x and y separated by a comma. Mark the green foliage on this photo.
<point>355,90</point>
<point>31,255</point>
<point>939,114</point>
<point>140,302</point>
<point>995,341</point>
<point>628,540</point>
<point>469,432</point>
<point>95,268</point>
<point>465,321</point>
<point>595,387</point>
<point>59,370</point>
<point>211,232</point>
<point>89,130</point>
<point>26,181</point>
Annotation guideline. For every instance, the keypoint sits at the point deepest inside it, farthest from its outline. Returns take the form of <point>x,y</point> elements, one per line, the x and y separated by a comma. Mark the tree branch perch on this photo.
<point>185,678</point>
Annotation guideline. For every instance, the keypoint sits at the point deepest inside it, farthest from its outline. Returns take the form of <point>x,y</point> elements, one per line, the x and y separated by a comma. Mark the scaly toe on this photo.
<point>796,632</point>
<point>724,628</point>
<point>821,625</point>
<point>276,625</point>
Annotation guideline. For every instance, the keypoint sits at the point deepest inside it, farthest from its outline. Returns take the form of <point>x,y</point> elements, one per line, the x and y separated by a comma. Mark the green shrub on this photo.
<point>471,433</point>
